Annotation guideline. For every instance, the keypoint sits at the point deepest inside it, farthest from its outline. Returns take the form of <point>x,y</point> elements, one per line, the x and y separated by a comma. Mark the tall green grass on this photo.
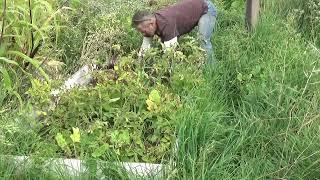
<point>257,116</point>
<point>305,14</point>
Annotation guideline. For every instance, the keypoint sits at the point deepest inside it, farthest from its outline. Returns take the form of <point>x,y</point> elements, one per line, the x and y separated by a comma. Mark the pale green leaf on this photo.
<point>7,83</point>
<point>75,136</point>
<point>124,137</point>
<point>61,141</point>
<point>100,151</point>
<point>155,96</point>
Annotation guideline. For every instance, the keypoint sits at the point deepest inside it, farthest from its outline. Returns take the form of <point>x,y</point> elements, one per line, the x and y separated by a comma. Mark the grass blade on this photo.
<point>35,63</point>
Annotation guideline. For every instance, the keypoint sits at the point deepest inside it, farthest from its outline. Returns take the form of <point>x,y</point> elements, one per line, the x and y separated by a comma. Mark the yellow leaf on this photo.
<point>41,113</point>
<point>150,104</point>
<point>54,63</point>
<point>75,136</point>
<point>38,113</point>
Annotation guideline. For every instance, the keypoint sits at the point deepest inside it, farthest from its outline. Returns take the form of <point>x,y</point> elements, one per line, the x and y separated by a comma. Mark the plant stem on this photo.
<point>31,30</point>
<point>35,50</point>
<point>75,151</point>
<point>3,19</point>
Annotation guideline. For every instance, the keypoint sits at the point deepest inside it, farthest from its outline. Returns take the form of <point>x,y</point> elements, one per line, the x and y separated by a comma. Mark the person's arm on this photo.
<point>172,42</point>
<point>146,44</point>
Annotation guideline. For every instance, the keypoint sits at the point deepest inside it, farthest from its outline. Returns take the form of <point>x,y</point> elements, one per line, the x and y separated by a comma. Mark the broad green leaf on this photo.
<point>75,136</point>
<point>154,100</point>
<point>61,141</point>
<point>114,136</point>
<point>100,151</point>
<point>155,96</point>
<point>124,137</point>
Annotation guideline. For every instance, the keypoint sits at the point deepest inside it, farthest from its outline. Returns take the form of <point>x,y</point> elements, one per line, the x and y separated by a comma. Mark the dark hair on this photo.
<point>140,16</point>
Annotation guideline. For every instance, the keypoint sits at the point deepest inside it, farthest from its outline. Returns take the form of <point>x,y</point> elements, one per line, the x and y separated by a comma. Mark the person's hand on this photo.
<point>146,44</point>
<point>141,53</point>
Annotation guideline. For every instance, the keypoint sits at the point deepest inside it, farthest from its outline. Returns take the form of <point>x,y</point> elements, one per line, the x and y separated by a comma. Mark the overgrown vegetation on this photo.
<point>255,115</point>
<point>306,17</point>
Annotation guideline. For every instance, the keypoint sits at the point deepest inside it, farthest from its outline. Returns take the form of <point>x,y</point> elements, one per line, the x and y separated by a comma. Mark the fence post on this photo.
<point>252,13</point>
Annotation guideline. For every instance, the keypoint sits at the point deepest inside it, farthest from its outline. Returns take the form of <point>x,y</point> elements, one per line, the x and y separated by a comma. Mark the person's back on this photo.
<point>179,19</point>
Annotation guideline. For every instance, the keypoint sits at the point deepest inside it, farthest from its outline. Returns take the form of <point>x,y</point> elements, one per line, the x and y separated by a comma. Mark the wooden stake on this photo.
<point>252,13</point>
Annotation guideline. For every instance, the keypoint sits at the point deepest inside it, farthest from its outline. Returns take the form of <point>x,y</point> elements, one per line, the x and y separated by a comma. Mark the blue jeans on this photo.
<point>206,27</point>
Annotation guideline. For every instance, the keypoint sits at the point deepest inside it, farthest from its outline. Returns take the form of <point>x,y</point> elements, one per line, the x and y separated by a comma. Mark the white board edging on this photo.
<point>75,167</point>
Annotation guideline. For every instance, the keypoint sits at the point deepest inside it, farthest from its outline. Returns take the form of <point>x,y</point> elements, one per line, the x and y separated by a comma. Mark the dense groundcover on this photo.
<point>254,114</point>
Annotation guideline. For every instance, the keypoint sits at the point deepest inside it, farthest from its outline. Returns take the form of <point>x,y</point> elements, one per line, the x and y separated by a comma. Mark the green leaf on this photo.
<point>2,50</point>
<point>15,93</point>
<point>153,101</point>
<point>100,151</point>
<point>8,61</point>
<point>75,136</point>
<point>114,136</point>
<point>124,137</point>
<point>61,141</point>
<point>155,96</point>
<point>75,3</point>
<point>150,105</point>
<point>154,138</point>
<point>31,61</point>
<point>7,83</point>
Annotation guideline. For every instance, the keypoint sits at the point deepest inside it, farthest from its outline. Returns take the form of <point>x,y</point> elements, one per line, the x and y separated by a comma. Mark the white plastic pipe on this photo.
<point>81,78</point>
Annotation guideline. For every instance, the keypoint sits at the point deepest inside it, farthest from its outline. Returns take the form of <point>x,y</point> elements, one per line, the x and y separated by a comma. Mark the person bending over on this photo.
<point>173,21</point>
